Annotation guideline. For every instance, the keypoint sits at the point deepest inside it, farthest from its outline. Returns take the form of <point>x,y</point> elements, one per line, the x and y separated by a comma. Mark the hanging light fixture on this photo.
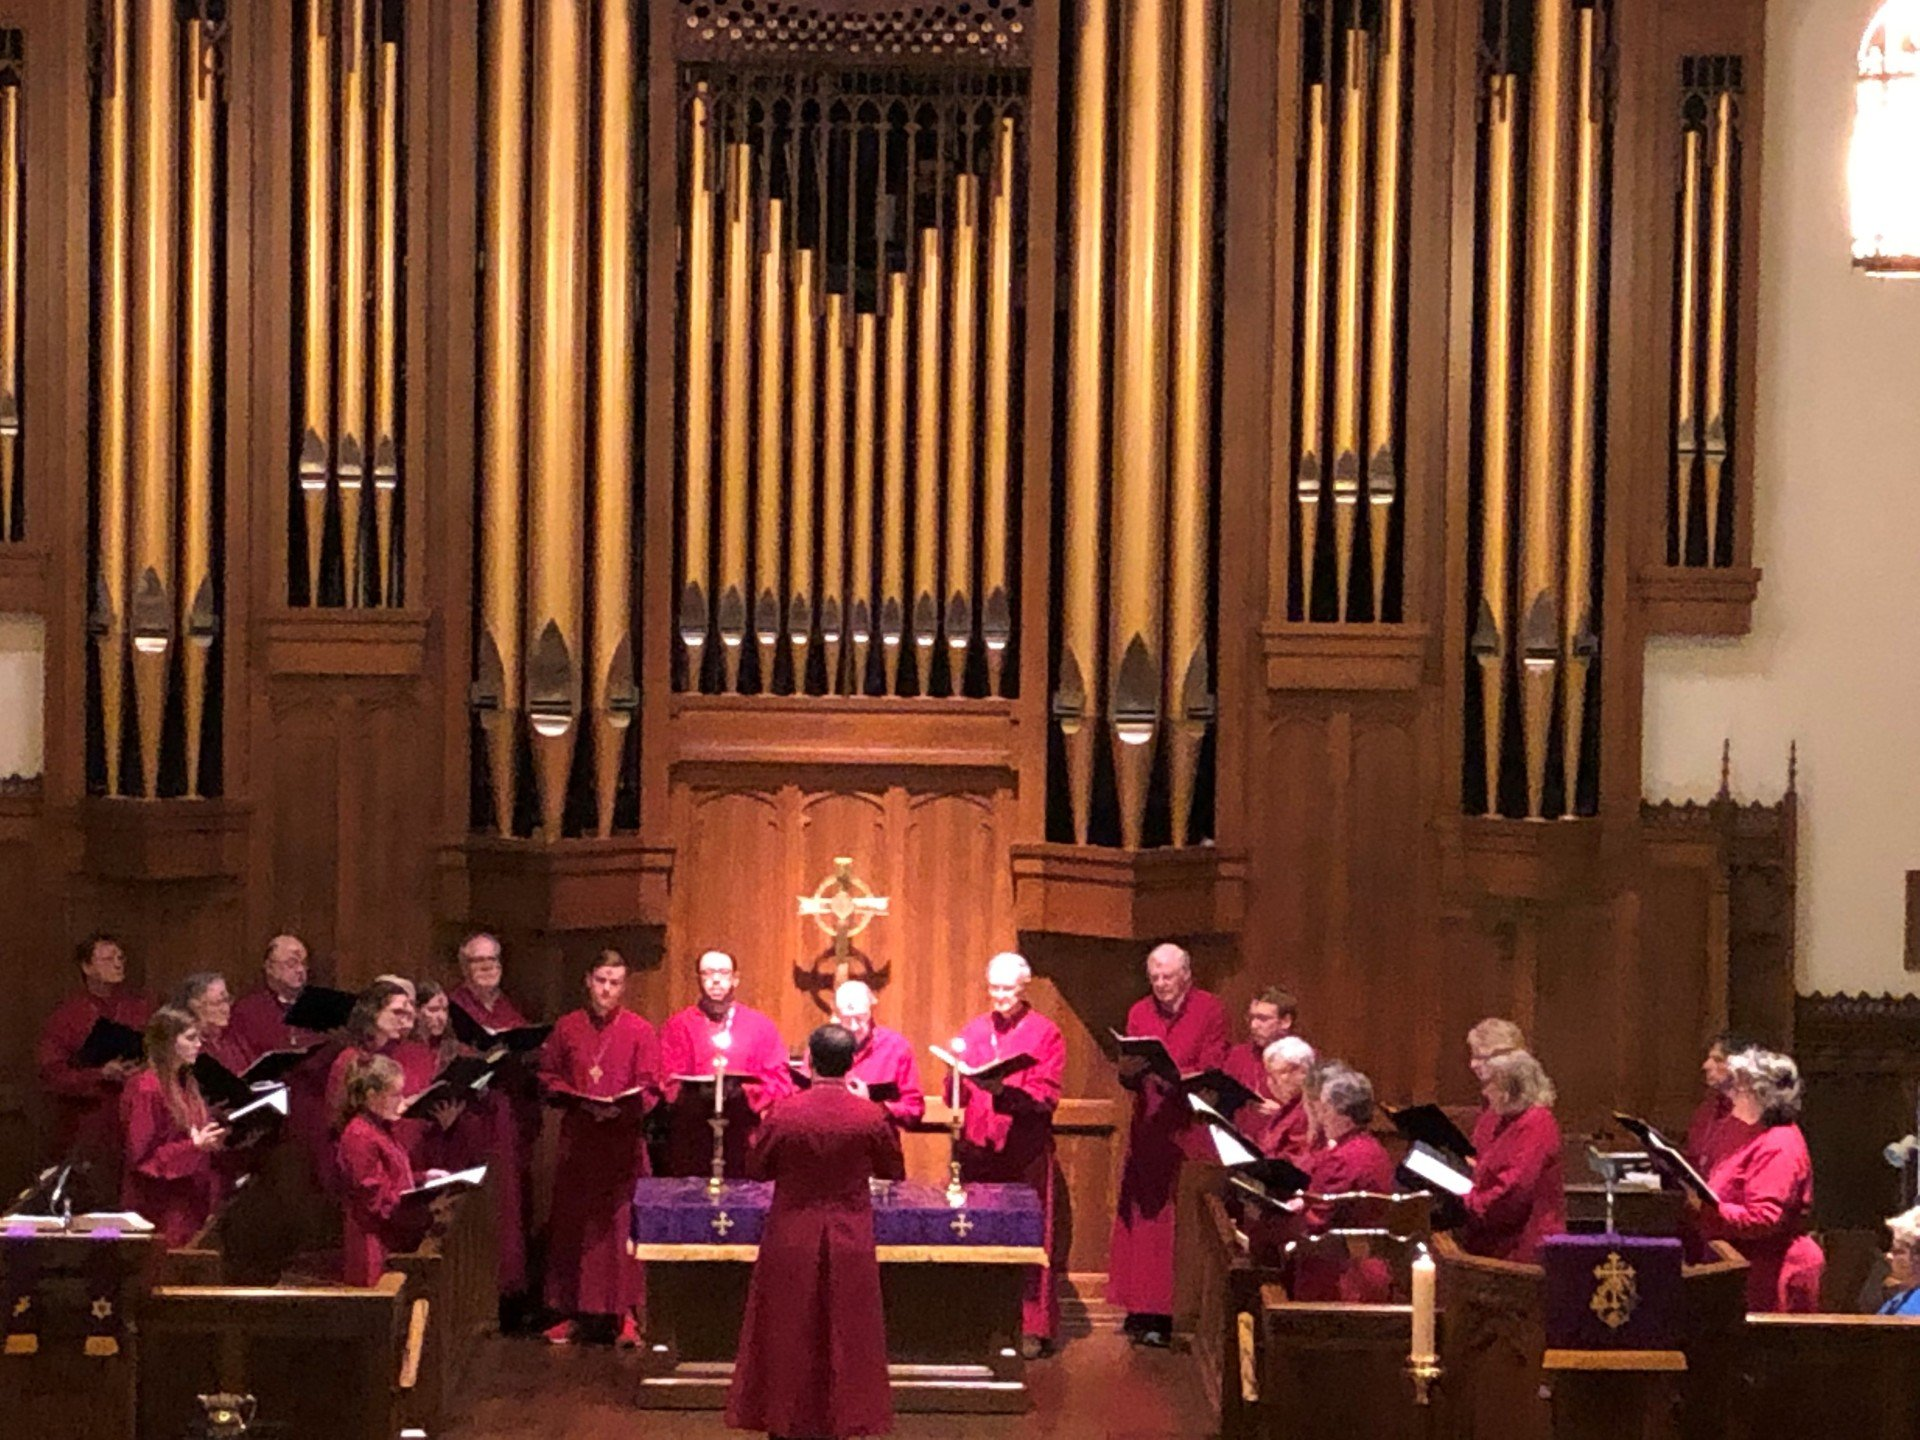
<point>1883,162</point>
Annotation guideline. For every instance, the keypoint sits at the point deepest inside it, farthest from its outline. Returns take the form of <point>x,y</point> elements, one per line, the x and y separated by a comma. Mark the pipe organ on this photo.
<point>849,292</point>
<point>556,445</point>
<point>348,263</point>
<point>12,285</point>
<point>1541,338</point>
<point>159,123</point>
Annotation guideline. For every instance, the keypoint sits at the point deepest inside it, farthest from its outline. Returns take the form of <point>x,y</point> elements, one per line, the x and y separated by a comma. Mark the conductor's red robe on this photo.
<point>86,1105</point>
<point>375,1174</point>
<point>589,1271</point>
<point>1328,1269</point>
<point>1715,1132</point>
<point>813,1349</point>
<point>687,1048</point>
<point>166,1177</point>
<point>1519,1196</point>
<point>1159,1143</point>
<point>1766,1200</point>
<point>887,1059</point>
<point>1008,1138</point>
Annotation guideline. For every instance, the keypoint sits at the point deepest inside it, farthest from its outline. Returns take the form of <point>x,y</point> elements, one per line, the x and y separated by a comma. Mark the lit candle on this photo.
<point>721,1042</point>
<point>1423,1276</point>
<point>958,1048</point>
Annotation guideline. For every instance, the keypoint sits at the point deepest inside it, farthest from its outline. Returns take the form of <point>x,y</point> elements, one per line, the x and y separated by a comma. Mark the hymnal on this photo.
<point>1668,1160</point>
<point>987,1069</point>
<point>1432,1167</point>
<point>108,1041</point>
<point>443,1183</point>
<point>464,1077</point>
<point>568,1093</point>
<point>1153,1050</point>
<point>256,1118</point>
<point>1242,1157</point>
<point>516,1039</point>
<point>1431,1125</point>
<point>222,1087</point>
<point>1230,1096</point>
<point>319,1008</point>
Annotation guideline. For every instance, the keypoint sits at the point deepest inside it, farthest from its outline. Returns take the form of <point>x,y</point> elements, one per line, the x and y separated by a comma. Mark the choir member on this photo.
<point>718,1024</point>
<point>1491,1037</point>
<point>376,1171</point>
<point>602,1066</point>
<point>880,1056</point>
<point>205,996</point>
<point>1765,1188</point>
<point>382,1019</point>
<point>1193,1026</point>
<point>169,1175</point>
<point>1715,1132</point>
<point>260,1016</point>
<point>813,1349</point>
<point>1519,1196</point>
<point>86,1098</point>
<point>479,992</point>
<point>1270,1016</point>
<point>1903,1264</point>
<point>1006,1134</point>
<point>1347,1160</point>
<point>1279,1121</point>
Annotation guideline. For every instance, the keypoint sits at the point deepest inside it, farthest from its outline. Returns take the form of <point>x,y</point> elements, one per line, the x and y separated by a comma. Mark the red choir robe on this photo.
<point>1008,1138</point>
<point>590,1222</point>
<point>484,1133</point>
<point>259,1023</point>
<point>229,1049</point>
<point>1519,1196</point>
<point>165,1177</point>
<point>1159,1143</point>
<point>1281,1134</point>
<point>86,1105</point>
<point>687,1048</point>
<point>375,1174</point>
<point>813,1349</point>
<point>1715,1133</point>
<point>887,1057</point>
<point>1328,1269</point>
<point>510,1110</point>
<point>1766,1201</point>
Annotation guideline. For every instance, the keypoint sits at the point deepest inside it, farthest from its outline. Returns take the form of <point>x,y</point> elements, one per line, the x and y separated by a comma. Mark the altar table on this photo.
<point>951,1278</point>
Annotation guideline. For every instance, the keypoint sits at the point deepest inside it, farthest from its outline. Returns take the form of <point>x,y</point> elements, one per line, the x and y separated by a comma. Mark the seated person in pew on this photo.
<point>1346,1159</point>
<point>375,1173</point>
<point>1763,1189</point>
<point>1518,1197</point>
<point>1278,1121</point>
<point>169,1174</point>
<point>1903,1265</point>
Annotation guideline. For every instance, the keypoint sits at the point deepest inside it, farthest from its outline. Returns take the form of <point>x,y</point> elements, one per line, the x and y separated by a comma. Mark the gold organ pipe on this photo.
<point>1577,636</point>
<point>735,414</point>
<point>1347,320</point>
<point>861,617</point>
<point>1189,686</point>
<point>1311,464</point>
<point>386,317</point>
<point>1138,529</point>
<point>1543,429</point>
<point>925,618</point>
<point>1383,468</point>
<point>154,381</point>
<point>696,537</point>
<point>996,583</point>
<point>196,609</point>
<point>316,441</point>
<point>806,344</point>
<point>109,620</point>
<point>1719,259</point>
<point>1493,628</point>
<point>9,303</point>
<point>352,370</point>
<point>1687,379</point>
<point>612,693</point>
<point>962,367</point>
<point>1076,701</point>
<point>556,458</point>
<point>833,487</point>
<point>502,455</point>
<point>893,580</point>
<point>769,482</point>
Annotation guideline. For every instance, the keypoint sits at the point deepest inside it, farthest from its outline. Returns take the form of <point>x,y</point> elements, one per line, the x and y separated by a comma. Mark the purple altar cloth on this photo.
<point>1612,1292</point>
<point>678,1211</point>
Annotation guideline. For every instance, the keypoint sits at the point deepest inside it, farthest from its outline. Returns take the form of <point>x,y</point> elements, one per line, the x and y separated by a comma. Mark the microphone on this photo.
<point>1901,1151</point>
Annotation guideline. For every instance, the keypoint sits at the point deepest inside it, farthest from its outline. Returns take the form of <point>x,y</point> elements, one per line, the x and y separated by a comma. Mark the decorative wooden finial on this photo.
<point>1726,769</point>
<point>1793,767</point>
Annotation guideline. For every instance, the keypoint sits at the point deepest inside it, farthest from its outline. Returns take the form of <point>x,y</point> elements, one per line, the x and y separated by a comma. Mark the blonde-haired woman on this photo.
<point>1519,1196</point>
<point>169,1175</point>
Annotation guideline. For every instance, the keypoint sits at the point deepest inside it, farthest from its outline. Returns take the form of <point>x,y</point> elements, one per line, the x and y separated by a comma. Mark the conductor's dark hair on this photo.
<point>830,1048</point>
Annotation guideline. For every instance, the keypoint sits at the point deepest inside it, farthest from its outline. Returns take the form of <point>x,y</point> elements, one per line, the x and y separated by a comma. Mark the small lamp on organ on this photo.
<point>1883,158</point>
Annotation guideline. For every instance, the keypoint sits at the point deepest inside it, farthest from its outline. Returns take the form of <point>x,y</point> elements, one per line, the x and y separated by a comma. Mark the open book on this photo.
<point>988,1069</point>
<point>257,1117</point>
<point>1434,1168</point>
<point>1230,1096</point>
<point>222,1087</point>
<point>515,1039</point>
<point>1274,1176</point>
<point>566,1093</point>
<point>1432,1125</point>
<point>445,1184</point>
<point>1153,1050</point>
<point>1666,1158</point>
<point>464,1077</point>
<point>129,1221</point>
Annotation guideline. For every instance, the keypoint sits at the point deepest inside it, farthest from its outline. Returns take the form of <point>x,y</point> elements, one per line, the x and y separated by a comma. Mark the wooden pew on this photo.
<point>1806,1377</point>
<point>1226,1339</point>
<point>1491,1345</point>
<point>1331,1372</point>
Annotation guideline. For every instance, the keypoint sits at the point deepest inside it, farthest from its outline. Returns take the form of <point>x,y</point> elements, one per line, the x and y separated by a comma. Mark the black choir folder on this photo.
<point>1230,1097</point>
<point>222,1087</point>
<point>1271,1176</point>
<point>1435,1168</point>
<point>1666,1158</point>
<point>319,1008</point>
<point>465,1077</point>
<point>516,1039</point>
<point>256,1119</point>
<point>987,1069</point>
<point>108,1041</point>
<point>1430,1125</point>
<point>1151,1049</point>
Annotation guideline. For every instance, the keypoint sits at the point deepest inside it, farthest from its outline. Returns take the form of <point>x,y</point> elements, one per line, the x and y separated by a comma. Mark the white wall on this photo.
<point>22,691</point>
<point>1834,657</point>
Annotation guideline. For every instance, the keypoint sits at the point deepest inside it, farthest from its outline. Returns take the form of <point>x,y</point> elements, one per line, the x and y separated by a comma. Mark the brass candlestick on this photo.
<point>956,1192</point>
<point>1426,1372</point>
<point>718,1179</point>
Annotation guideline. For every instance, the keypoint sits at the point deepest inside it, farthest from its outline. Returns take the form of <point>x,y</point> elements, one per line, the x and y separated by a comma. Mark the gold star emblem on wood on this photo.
<point>843,905</point>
